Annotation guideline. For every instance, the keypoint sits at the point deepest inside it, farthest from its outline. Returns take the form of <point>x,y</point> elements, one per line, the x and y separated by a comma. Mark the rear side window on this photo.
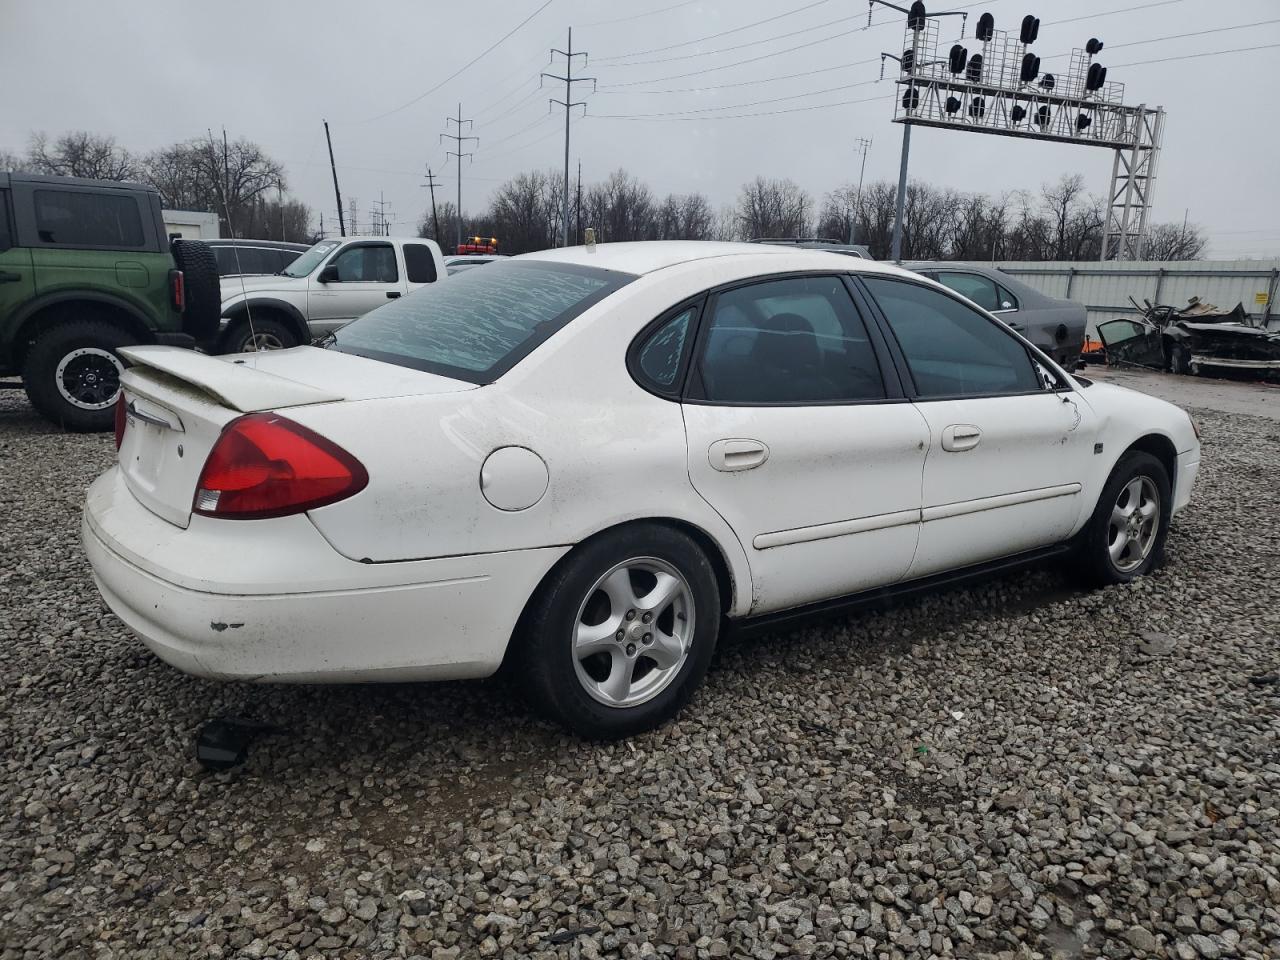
<point>282,258</point>
<point>6,238</point>
<point>71,219</point>
<point>789,341</point>
<point>951,349</point>
<point>481,323</point>
<point>233,259</point>
<point>419,264</point>
<point>658,360</point>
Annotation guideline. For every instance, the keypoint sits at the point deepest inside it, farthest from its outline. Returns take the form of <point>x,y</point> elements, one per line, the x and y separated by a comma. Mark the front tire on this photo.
<point>1126,535</point>
<point>266,333</point>
<point>622,632</point>
<point>72,374</point>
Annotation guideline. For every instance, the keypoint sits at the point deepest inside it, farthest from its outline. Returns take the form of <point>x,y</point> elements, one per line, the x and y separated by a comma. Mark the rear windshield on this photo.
<point>481,323</point>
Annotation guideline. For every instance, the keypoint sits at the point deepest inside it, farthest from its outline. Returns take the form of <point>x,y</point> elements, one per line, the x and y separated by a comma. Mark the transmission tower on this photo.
<point>568,103</point>
<point>458,139</point>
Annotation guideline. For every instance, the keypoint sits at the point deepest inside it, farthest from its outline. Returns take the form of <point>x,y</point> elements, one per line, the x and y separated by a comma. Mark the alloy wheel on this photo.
<point>1135,521</point>
<point>89,378</point>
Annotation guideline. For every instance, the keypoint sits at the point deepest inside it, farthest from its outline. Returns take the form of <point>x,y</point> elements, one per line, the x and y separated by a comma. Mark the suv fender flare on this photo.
<point>138,323</point>
<point>240,308</point>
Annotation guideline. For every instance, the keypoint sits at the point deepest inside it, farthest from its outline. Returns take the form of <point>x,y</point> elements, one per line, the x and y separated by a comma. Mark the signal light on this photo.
<point>953,105</point>
<point>1082,122</point>
<point>986,27</point>
<point>1030,67</point>
<point>1018,114</point>
<point>1047,82</point>
<point>916,16</point>
<point>1042,116</point>
<point>1093,47</point>
<point>908,61</point>
<point>1096,77</point>
<point>959,56</point>
<point>977,108</point>
<point>264,465</point>
<point>911,99</point>
<point>973,72</point>
<point>1030,29</point>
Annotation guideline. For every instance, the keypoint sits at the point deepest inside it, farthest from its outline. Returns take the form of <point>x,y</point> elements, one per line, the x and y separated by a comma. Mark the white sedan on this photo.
<point>585,462</point>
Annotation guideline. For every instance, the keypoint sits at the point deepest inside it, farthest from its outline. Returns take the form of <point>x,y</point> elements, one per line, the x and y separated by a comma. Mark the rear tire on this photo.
<point>72,374</point>
<point>1179,360</point>
<point>1125,537</point>
<point>621,633</point>
<point>266,333</point>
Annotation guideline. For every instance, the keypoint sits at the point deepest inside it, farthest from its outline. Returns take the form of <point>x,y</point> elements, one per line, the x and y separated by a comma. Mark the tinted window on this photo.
<point>282,258</point>
<point>1007,300</point>
<point>373,263</point>
<point>659,359</point>
<point>233,259</point>
<point>419,264</point>
<point>87,219</point>
<point>951,349</point>
<point>308,260</point>
<point>797,340</point>
<point>6,240</point>
<point>482,322</point>
<point>977,288</point>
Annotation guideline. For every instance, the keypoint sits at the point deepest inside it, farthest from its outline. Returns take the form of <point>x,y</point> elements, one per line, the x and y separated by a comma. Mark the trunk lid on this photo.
<point>178,401</point>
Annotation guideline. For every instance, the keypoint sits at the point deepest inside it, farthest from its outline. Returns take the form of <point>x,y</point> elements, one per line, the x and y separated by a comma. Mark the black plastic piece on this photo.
<point>1093,47</point>
<point>1030,29</point>
<point>959,56</point>
<point>908,61</point>
<point>916,16</point>
<point>1043,115</point>
<point>977,108</point>
<point>911,99</point>
<point>986,27</point>
<point>953,105</point>
<point>224,743</point>
<point>1030,67</point>
<point>973,71</point>
<point>1096,77</point>
<point>1048,82</point>
<point>1083,121</point>
<point>1018,114</point>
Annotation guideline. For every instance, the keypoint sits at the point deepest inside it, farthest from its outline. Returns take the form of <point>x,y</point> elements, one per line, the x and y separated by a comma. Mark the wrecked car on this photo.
<point>1191,339</point>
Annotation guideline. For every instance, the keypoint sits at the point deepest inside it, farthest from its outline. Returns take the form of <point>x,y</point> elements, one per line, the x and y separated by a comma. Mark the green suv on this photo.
<point>86,268</point>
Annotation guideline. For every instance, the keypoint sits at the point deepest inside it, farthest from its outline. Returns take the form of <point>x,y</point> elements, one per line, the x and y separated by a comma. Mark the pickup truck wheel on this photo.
<point>72,374</point>
<point>265,334</point>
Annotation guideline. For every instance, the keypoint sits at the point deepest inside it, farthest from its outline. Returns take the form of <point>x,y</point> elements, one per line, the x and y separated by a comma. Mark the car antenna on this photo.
<point>224,188</point>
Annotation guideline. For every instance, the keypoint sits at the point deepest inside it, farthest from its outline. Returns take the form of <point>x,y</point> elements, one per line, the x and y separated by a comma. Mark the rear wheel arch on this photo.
<point>69,309</point>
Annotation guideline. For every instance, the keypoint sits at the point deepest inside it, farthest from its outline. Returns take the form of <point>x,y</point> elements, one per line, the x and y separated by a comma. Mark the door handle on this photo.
<point>392,294</point>
<point>960,436</point>
<point>730,456</point>
<point>7,277</point>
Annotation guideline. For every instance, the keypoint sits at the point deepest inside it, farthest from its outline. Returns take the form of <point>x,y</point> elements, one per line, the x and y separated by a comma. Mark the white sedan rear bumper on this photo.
<point>271,600</point>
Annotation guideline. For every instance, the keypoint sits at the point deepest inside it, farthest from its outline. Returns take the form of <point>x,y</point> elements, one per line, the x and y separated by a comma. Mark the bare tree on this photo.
<point>82,154</point>
<point>684,217</point>
<point>199,175</point>
<point>447,214</point>
<point>273,220</point>
<point>1175,241</point>
<point>621,208</point>
<point>525,212</point>
<point>11,162</point>
<point>774,208</point>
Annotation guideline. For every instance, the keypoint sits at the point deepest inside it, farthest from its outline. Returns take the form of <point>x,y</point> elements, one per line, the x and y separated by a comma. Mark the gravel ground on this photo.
<point>1016,770</point>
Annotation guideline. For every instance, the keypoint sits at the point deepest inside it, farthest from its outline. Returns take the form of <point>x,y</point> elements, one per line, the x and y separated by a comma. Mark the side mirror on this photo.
<point>329,274</point>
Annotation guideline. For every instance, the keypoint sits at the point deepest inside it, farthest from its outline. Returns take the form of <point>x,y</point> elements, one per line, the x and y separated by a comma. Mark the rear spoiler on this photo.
<point>233,383</point>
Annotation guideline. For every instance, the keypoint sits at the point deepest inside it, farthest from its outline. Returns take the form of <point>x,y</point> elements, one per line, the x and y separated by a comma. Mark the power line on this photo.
<point>739,116</point>
<point>1107,13</point>
<point>713,36</point>
<point>754,103</point>
<point>740,83</point>
<point>749,43</point>
<point>1195,56</point>
<point>522,71</point>
<point>470,63</point>
<point>641,16</point>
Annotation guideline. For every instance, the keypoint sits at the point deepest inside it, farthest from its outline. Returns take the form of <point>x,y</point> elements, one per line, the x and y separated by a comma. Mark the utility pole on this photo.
<point>568,104</point>
<point>280,206</point>
<point>458,139</point>
<point>380,224</point>
<point>435,220</point>
<point>578,206</point>
<point>863,146</point>
<point>355,232</point>
<point>342,227</point>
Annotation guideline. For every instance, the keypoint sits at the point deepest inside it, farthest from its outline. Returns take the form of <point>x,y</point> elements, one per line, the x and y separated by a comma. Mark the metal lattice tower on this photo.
<point>1133,180</point>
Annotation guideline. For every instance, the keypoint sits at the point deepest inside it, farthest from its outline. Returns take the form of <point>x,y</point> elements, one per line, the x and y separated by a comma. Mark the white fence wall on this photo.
<point>1105,288</point>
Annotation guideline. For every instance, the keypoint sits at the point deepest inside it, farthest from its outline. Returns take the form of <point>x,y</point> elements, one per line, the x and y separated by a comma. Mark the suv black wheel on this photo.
<point>203,291</point>
<point>267,333</point>
<point>72,374</point>
<point>622,632</point>
<point>1125,537</point>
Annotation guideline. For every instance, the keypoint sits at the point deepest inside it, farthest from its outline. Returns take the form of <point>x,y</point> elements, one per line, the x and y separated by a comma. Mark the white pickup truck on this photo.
<point>331,284</point>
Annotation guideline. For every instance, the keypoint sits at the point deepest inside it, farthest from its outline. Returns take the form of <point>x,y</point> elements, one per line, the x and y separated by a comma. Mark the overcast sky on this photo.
<point>154,71</point>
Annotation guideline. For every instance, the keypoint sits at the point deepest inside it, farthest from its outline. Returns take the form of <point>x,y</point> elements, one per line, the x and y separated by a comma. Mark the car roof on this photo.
<point>245,242</point>
<point>646,256</point>
<point>1022,289</point>
<point>18,176</point>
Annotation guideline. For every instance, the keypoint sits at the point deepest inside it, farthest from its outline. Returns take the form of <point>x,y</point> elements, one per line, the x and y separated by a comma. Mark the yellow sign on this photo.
<point>1261,299</point>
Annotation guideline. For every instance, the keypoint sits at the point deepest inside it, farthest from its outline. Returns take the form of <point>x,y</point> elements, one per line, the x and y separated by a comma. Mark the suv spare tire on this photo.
<point>203,290</point>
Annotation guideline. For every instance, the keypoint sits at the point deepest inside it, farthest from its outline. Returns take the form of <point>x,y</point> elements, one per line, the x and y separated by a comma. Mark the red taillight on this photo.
<point>264,465</point>
<point>178,289</point>
<point>121,419</point>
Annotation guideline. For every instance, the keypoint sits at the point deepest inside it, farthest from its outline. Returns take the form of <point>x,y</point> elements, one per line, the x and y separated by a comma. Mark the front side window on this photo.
<point>311,258</point>
<point>367,263</point>
<point>979,289</point>
<point>6,240</point>
<point>70,219</point>
<point>796,340</point>
<point>419,264</point>
<point>481,323</point>
<point>951,349</point>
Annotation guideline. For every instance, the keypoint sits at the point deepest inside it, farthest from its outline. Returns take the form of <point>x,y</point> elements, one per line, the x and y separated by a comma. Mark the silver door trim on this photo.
<point>839,528</point>
<point>946,511</point>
